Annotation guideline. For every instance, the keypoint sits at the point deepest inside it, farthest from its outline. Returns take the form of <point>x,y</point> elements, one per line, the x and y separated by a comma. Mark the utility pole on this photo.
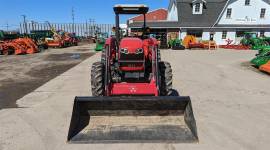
<point>90,25</point>
<point>86,28</point>
<point>7,25</point>
<point>25,24</point>
<point>73,18</point>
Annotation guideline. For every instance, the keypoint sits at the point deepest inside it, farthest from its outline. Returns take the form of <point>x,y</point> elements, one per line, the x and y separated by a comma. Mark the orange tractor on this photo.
<point>69,38</point>
<point>11,44</point>
<point>28,44</point>
<point>9,47</point>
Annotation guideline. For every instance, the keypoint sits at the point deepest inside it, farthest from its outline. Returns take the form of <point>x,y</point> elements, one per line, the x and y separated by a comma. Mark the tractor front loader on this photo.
<point>132,95</point>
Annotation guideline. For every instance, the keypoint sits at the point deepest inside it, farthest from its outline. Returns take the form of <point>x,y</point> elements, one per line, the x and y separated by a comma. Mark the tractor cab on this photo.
<point>132,51</point>
<point>130,10</point>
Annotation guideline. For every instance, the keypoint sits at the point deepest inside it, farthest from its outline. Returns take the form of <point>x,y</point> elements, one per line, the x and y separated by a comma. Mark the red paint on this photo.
<point>134,89</point>
<point>129,88</point>
<point>136,68</point>
<point>131,44</point>
<point>156,15</point>
<point>235,47</point>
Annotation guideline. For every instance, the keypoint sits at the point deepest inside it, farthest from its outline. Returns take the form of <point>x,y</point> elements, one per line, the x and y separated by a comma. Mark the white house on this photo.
<point>218,19</point>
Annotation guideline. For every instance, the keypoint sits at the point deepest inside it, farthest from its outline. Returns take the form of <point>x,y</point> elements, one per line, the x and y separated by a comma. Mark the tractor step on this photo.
<point>132,120</point>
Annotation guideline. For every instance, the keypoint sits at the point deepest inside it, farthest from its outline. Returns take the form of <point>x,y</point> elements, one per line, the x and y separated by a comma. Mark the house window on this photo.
<point>262,33</point>
<point>229,13</point>
<point>197,7</point>
<point>262,15</point>
<point>224,34</point>
<point>247,2</point>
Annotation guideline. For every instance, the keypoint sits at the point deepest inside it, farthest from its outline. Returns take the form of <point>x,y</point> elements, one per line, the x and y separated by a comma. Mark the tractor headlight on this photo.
<point>139,51</point>
<point>124,50</point>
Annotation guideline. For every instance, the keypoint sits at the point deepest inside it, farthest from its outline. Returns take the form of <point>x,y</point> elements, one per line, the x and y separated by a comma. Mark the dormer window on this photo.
<point>247,2</point>
<point>197,8</point>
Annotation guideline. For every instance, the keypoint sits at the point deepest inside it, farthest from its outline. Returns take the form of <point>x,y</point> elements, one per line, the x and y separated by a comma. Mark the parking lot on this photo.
<point>230,99</point>
<point>21,74</point>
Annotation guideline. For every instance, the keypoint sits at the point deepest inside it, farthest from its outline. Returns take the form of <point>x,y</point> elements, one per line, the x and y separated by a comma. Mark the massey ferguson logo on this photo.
<point>132,89</point>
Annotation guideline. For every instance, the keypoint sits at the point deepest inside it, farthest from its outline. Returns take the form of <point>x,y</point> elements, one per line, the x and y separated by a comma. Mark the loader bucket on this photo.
<point>132,120</point>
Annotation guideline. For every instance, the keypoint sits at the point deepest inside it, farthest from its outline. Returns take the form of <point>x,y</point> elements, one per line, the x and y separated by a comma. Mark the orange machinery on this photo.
<point>10,47</point>
<point>190,41</point>
<point>18,46</point>
<point>265,67</point>
<point>56,40</point>
<point>28,45</point>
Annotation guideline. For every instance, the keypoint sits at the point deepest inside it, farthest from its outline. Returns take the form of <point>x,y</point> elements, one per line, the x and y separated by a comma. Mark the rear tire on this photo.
<point>10,51</point>
<point>166,78</point>
<point>97,79</point>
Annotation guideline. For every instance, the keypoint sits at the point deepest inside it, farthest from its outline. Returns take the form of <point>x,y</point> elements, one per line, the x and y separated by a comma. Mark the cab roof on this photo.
<point>130,9</point>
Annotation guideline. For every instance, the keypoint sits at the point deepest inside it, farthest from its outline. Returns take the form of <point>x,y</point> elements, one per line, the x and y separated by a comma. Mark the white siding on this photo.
<point>220,41</point>
<point>173,13</point>
<point>206,36</point>
<point>182,35</point>
<point>267,34</point>
<point>248,15</point>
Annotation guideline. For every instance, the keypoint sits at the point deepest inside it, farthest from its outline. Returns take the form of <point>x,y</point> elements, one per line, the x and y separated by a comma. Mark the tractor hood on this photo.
<point>131,44</point>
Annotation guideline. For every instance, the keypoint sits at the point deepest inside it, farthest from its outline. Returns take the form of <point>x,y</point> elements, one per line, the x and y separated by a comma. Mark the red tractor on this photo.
<point>131,80</point>
<point>131,65</point>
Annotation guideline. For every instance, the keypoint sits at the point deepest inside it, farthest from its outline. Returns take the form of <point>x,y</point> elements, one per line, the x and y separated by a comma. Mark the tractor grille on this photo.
<point>131,56</point>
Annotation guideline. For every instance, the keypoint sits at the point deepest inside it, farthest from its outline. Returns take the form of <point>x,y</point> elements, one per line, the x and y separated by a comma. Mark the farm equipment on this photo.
<point>230,45</point>
<point>38,36</point>
<point>251,39</point>
<point>28,44</point>
<point>11,43</point>
<point>56,40</point>
<point>101,38</point>
<point>261,59</point>
<point>265,67</point>
<point>131,88</point>
<point>9,48</point>
<point>263,51</point>
<point>69,39</point>
<point>235,47</point>
<point>176,44</point>
<point>190,42</point>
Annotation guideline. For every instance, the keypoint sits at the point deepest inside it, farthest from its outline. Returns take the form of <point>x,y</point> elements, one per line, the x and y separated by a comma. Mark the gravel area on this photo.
<point>21,74</point>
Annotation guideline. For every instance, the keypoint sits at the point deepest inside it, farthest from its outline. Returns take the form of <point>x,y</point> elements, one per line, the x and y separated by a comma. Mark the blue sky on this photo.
<point>59,11</point>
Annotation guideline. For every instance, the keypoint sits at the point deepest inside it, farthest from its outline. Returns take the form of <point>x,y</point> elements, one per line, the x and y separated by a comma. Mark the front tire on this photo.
<point>166,78</point>
<point>97,79</point>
